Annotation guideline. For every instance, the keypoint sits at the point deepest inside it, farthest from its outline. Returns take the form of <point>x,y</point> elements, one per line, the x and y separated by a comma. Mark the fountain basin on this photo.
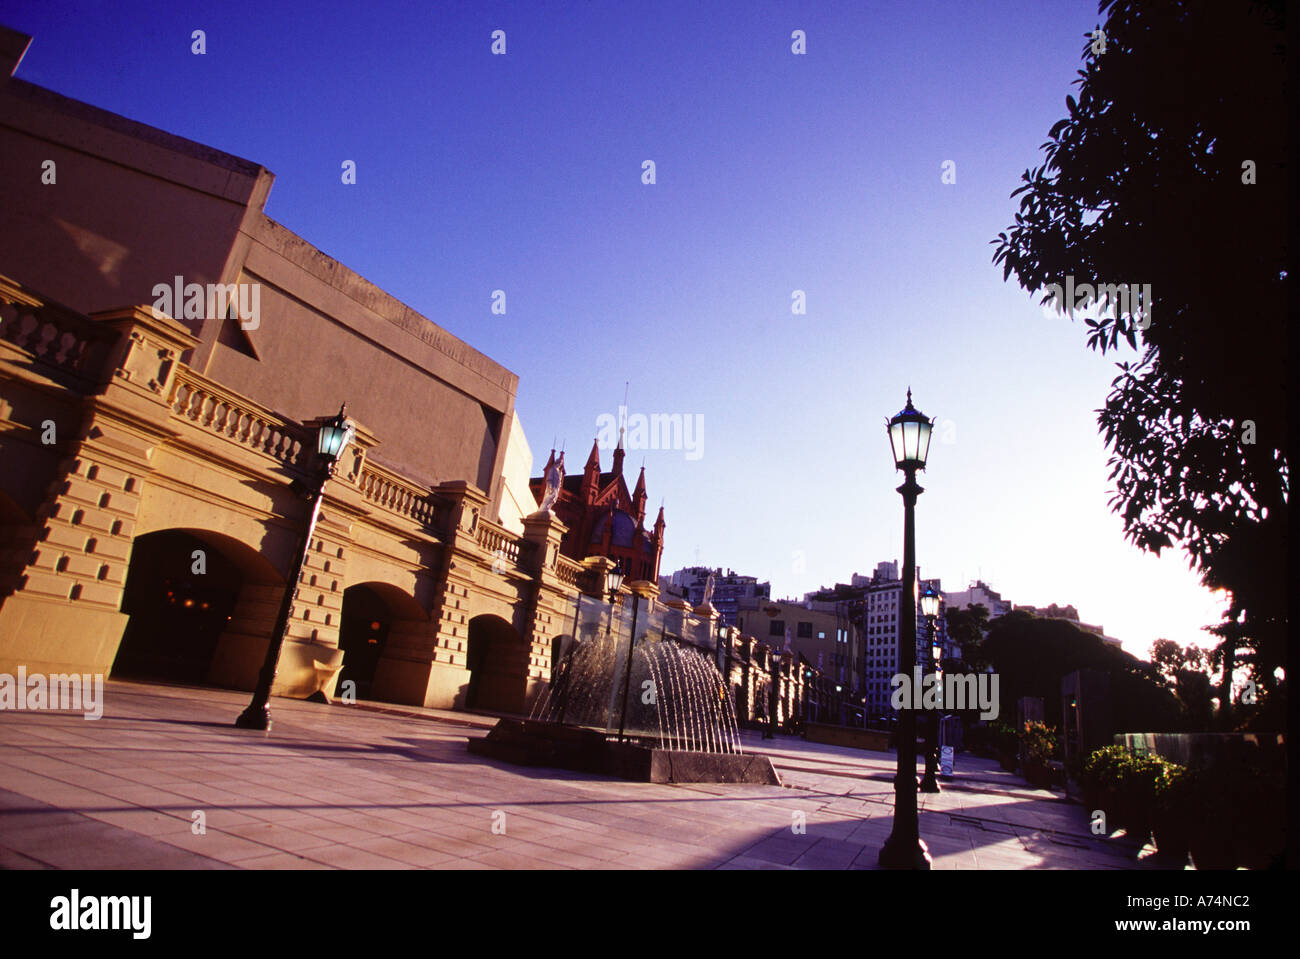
<point>533,743</point>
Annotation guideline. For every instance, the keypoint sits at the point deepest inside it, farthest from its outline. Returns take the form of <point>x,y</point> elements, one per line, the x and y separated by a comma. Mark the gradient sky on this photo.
<point>775,172</point>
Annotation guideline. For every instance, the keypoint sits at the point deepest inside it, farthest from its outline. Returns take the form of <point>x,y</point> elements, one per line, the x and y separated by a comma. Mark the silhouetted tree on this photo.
<point>1031,656</point>
<point>966,627</point>
<point>1186,670</point>
<point>1170,170</point>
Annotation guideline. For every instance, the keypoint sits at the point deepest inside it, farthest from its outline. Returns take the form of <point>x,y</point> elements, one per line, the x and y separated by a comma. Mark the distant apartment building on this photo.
<point>728,589</point>
<point>1070,614</point>
<point>871,603</point>
<point>979,594</point>
<point>820,632</point>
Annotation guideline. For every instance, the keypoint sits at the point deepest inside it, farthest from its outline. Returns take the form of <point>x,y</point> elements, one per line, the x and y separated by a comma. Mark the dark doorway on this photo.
<point>367,618</point>
<point>497,659</point>
<point>180,594</point>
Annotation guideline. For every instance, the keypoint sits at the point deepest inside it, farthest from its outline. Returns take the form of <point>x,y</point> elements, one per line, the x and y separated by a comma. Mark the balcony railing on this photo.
<point>567,571</point>
<point>224,412</point>
<point>502,544</point>
<point>390,491</point>
<point>54,335</point>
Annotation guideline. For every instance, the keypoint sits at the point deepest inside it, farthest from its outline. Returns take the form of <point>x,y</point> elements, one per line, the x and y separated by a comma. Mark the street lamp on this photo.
<point>929,602</point>
<point>930,610</point>
<point>333,438</point>
<point>627,678</point>
<point>909,435</point>
<point>613,583</point>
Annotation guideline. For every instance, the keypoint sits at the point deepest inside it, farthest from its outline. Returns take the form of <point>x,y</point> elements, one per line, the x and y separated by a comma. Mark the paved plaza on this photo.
<point>376,787</point>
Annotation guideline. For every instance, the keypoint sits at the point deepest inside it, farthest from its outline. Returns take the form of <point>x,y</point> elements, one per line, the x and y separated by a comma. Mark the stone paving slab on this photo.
<point>378,787</point>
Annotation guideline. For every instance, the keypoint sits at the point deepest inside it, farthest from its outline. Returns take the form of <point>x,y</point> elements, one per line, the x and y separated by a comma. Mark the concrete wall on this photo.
<point>130,205</point>
<point>846,736</point>
<point>133,207</point>
<point>517,500</point>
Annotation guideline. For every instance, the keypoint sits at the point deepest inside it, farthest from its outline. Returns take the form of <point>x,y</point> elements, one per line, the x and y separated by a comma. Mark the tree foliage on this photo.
<point>1031,655</point>
<point>966,627</point>
<point>1186,670</point>
<point>1145,181</point>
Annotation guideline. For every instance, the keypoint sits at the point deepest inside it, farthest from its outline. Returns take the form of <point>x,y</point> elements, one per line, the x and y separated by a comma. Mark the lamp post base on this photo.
<point>902,853</point>
<point>255,717</point>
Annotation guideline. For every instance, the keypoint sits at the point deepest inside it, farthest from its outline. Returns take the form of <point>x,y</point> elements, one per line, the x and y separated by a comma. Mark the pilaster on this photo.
<point>64,613</point>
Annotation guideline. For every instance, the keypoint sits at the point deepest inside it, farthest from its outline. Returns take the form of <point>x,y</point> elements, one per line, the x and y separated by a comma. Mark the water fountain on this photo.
<point>679,725</point>
<point>678,700</point>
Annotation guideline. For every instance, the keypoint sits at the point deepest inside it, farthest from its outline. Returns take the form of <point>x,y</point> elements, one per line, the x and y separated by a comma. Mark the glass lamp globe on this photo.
<point>909,435</point>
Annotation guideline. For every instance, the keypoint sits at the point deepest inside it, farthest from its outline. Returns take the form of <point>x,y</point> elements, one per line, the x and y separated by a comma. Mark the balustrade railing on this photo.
<point>502,544</point>
<point>390,491</point>
<point>237,418</point>
<point>568,572</point>
<point>55,336</point>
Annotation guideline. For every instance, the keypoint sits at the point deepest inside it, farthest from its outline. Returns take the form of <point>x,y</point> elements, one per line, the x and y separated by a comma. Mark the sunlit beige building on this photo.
<point>147,519</point>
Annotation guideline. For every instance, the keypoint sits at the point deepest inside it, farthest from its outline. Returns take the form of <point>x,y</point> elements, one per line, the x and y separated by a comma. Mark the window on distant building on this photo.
<point>777,628</point>
<point>805,630</point>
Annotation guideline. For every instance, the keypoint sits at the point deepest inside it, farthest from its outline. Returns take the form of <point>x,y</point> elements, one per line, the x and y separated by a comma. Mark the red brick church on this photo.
<point>603,519</point>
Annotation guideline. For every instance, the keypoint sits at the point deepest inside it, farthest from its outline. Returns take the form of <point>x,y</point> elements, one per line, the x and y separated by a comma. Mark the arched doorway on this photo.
<point>376,616</point>
<point>497,658</point>
<point>183,591</point>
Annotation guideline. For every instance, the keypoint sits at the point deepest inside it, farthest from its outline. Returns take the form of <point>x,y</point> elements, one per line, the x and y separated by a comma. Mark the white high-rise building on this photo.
<point>979,594</point>
<point>873,603</point>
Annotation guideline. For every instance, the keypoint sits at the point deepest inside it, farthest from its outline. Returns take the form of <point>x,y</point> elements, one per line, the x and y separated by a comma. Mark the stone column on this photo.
<point>550,596</point>
<point>448,672</point>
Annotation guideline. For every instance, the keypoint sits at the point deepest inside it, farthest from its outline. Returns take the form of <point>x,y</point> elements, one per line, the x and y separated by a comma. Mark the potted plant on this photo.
<point>1037,742</point>
<point>1100,779</point>
<point>1137,790</point>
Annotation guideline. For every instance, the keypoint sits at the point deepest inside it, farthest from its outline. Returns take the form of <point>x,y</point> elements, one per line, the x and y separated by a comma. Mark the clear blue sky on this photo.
<point>775,172</point>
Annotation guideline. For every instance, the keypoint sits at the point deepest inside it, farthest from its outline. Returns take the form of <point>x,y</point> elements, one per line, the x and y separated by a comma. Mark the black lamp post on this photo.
<point>930,610</point>
<point>627,676</point>
<point>909,435</point>
<point>335,435</point>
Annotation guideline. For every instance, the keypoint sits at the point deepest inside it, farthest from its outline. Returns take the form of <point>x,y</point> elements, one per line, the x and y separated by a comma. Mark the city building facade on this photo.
<point>871,603</point>
<point>979,594</point>
<point>817,633</point>
<point>728,589</point>
<point>602,518</point>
